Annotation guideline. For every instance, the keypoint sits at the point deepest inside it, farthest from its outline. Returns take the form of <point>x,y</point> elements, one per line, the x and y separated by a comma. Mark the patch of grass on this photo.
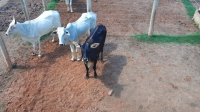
<point>52,4</point>
<point>159,38</point>
<point>45,36</point>
<point>193,38</point>
<point>189,7</point>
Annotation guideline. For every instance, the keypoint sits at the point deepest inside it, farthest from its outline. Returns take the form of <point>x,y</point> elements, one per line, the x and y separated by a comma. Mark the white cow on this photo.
<point>32,30</point>
<point>196,17</point>
<point>73,32</point>
<point>69,5</point>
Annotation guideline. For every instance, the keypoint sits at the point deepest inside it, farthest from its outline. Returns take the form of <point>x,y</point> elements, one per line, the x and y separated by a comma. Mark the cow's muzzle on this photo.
<point>61,44</point>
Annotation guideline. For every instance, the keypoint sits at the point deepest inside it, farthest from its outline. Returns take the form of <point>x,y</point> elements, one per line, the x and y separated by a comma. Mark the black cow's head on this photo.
<point>86,49</point>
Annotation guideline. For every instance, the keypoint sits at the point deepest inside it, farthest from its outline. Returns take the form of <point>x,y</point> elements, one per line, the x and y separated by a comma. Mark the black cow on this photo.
<point>92,47</point>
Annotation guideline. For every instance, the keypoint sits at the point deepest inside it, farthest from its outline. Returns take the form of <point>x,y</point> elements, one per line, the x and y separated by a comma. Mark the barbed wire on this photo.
<point>119,17</point>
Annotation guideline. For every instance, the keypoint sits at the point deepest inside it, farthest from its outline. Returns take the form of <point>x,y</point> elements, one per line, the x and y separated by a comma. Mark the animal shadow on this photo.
<point>112,70</point>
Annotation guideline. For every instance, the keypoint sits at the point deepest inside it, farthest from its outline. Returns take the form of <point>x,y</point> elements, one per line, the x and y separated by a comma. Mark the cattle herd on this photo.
<point>71,34</point>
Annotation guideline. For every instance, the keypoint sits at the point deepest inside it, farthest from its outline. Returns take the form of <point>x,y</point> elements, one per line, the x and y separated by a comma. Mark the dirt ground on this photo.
<point>144,77</point>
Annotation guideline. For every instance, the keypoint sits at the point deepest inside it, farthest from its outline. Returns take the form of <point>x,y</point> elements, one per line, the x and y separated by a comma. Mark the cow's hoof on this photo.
<point>33,54</point>
<point>86,77</point>
<point>79,60</point>
<point>95,76</point>
<point>72,60</point>
<point>39,55</point>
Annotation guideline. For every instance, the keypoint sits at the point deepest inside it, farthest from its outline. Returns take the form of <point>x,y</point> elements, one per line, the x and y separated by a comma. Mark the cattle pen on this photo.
<point>138,76</point>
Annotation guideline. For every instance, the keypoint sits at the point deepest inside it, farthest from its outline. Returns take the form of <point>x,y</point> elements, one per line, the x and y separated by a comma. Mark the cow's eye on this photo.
<point>67,32</point>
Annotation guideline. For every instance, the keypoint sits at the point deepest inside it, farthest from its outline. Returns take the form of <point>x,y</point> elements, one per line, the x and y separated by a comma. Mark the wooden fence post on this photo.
<point>5,53</point>
<point>44,6</point>
<point>89,6</point>
<point>24,7</point>
<point>152,20</point>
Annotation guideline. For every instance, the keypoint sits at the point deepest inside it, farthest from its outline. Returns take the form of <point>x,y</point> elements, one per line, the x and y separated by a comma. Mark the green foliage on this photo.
<point>45,36</point>
<point>159,38</point>
<point>52,4</point>
<point>189,7</point>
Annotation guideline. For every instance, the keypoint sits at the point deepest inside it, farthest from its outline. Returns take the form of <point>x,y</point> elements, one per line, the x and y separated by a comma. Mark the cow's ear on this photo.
<point>67,32</point>
<point>95,45</point>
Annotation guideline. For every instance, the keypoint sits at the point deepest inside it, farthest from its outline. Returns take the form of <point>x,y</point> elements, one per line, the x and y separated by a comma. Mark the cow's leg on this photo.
<point>71,5</point>
<point>94,67</point>
<point>68,7</point>
<point>72,51</point>
<point>88,32</point>
<point>53,40</point>
<point>102,57</point>
<point>101,54</point>
<point>87,70</point>
<point>33,53</point>
<point>39,48</point>
<point>78,54</point>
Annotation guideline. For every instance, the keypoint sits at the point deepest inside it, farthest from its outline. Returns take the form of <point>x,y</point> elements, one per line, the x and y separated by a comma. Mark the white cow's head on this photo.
<point>199,10</point>
<point>60,31</point>
<point>12,27</point>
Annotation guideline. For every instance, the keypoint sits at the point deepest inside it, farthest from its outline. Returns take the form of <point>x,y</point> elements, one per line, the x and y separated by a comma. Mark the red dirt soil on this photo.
<point>144,77</point>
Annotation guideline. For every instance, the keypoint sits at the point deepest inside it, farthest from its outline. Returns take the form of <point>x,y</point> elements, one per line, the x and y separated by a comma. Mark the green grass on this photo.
<point>52,4</point>
<point>189,7</point>
<point>45,36</point>
<point>193,38</point>
<point>159,38</point>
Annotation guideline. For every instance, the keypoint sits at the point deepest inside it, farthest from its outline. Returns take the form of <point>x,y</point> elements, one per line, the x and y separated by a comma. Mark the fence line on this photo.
<point>5,53</point>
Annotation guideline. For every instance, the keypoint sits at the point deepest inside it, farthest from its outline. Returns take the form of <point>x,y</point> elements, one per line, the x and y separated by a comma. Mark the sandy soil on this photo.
<point>144,77</point>
<point>3,2</point>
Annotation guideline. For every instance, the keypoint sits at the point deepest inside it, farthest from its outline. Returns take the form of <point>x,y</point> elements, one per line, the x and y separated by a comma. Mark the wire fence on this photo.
<point>35,8</point>
<point>118,16</point>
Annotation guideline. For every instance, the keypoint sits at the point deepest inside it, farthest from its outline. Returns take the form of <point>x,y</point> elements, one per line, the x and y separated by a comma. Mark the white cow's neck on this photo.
<point>23,29</point>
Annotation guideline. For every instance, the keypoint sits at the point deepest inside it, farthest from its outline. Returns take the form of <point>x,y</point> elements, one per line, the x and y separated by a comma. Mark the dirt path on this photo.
<point>144,77</point>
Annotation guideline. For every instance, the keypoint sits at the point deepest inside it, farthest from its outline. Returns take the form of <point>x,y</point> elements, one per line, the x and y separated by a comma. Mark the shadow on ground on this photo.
<point>112,70</point>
